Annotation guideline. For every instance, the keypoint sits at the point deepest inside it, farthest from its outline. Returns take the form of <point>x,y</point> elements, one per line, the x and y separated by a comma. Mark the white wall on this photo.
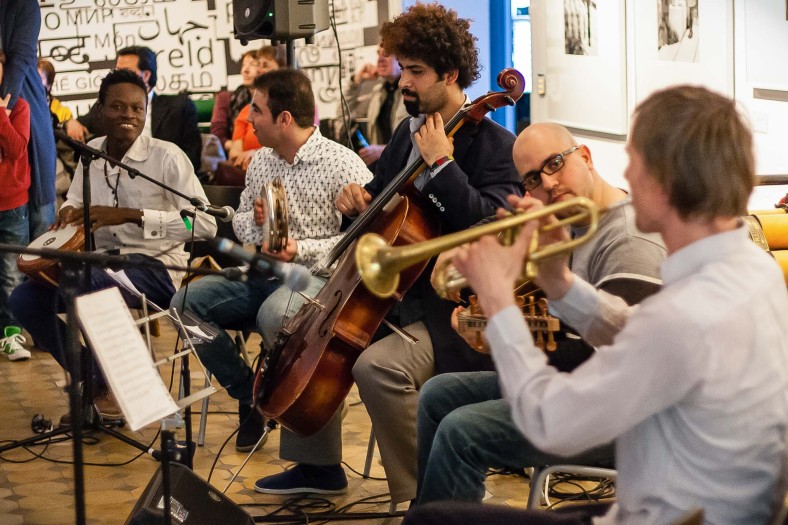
<point>757,34</point>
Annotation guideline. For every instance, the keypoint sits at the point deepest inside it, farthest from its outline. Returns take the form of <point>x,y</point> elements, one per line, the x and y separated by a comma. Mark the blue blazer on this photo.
<point>462,194</point>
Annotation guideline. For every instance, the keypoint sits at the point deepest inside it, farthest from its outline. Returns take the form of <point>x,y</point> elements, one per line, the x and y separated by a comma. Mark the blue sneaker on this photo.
<point>304,478</point>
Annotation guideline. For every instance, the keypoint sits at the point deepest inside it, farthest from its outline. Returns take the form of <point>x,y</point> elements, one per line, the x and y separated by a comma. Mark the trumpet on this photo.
<point>380,264</point>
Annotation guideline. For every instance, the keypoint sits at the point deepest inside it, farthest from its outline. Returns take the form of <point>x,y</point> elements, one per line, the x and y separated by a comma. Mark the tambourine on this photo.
<point>275,228</point>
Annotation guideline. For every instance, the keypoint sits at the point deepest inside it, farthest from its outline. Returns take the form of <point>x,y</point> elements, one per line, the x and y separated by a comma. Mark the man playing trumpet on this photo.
<point>460,409</point>
<point>692,383</point>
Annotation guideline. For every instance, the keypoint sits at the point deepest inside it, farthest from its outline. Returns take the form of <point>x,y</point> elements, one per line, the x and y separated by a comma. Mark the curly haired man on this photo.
<point>467,177</point>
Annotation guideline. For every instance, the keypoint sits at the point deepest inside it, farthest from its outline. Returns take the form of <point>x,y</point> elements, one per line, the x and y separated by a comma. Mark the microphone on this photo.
<point>294,276</point>
<point>223,213</point>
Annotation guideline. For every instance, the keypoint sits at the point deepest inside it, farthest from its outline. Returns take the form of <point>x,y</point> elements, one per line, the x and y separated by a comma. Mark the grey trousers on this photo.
<point>389,375</point>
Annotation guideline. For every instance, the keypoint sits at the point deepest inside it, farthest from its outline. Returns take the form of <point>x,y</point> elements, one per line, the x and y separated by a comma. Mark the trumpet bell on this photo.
<point>381,283</point>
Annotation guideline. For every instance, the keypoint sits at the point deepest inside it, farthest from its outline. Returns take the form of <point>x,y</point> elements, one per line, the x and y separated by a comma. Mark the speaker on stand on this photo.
<point>278,19</point>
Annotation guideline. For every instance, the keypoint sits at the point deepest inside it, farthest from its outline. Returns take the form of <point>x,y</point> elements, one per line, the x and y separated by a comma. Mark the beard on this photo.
<point>412,106</point>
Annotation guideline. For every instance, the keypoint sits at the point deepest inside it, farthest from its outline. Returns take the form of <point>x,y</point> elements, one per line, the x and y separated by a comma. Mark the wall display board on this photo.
<point>581,71</point>
<point>682,41</point>
<point>194,43</point>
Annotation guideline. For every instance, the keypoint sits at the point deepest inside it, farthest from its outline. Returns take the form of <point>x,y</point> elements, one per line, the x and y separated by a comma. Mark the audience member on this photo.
<point>381,109</point>
<point>170,117</point>
<point>14,183</point>
<point>20,22</point>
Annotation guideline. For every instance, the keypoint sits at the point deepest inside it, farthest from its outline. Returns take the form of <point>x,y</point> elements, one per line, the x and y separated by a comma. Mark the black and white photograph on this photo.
<point>678,35</point>
<point>580,27</point>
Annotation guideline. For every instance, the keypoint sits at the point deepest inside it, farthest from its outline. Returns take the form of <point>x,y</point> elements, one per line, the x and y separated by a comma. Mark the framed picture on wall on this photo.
<point>683,42</point>
<point>585,54</point>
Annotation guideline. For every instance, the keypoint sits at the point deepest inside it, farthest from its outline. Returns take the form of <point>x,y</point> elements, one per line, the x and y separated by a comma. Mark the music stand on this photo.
<point>72,264</point>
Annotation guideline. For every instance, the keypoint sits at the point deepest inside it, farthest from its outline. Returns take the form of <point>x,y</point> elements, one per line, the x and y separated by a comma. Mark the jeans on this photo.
<point>41,218</point>
<point>13,230</point>
<point>36,305</point>
<point>223,303</point>
<point>465,427</point>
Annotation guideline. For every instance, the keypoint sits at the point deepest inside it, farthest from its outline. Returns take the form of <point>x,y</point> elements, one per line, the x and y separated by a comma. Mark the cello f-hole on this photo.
<point>328,319</point>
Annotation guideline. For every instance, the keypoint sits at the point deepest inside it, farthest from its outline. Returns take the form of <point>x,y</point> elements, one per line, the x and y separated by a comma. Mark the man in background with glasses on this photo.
<point>464,424</point>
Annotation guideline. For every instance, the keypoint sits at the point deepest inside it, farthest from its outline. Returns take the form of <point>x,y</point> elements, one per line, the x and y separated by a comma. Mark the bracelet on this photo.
<point>441,161</point>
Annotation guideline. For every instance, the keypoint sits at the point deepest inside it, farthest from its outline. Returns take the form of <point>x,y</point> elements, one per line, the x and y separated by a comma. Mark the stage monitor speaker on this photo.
<point>193,502</point>
<point>279,19</point>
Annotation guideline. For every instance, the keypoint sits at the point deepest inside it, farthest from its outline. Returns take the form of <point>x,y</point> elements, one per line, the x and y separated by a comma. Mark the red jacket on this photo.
<point>14,167</point>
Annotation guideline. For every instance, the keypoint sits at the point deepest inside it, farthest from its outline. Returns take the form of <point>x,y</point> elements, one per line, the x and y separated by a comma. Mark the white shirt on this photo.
<point>164,229</point>
<point>312,183</point>
<point>693,383</point>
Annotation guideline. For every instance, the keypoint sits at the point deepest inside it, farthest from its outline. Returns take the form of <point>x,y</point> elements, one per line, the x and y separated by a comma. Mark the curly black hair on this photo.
<point>436,36</point>
<point>121,76</point>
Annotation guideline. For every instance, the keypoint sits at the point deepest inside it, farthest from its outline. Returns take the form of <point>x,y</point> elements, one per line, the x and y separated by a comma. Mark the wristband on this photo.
<point>441,161</point>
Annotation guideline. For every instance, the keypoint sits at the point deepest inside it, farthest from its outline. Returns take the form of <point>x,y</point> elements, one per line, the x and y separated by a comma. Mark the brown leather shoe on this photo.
<point>107,406</point>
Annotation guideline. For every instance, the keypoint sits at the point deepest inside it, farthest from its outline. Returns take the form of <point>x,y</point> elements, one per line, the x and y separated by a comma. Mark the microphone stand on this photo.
<point>73,265</point>
<point>84,149</point>
<point>87,154</point>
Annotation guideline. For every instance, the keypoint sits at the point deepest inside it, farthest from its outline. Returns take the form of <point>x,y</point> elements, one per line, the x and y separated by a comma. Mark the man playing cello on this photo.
<point>468,176</point>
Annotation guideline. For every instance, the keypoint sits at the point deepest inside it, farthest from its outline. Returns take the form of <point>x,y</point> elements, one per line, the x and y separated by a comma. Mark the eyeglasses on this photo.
<point>533,179</point>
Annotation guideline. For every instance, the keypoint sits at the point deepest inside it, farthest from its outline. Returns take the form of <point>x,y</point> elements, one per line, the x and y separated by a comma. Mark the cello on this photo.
<point>308,373</point>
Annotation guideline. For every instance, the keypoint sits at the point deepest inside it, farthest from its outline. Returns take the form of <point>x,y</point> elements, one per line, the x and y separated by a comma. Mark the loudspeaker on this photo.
<point>278,19</point>
<point>192,502</point>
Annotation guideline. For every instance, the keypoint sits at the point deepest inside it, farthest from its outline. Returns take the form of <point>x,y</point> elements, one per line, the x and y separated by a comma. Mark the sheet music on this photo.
<point>124,358</point>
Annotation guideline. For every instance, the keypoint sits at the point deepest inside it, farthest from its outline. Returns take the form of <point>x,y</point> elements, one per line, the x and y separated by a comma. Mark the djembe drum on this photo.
<point>70,238</point>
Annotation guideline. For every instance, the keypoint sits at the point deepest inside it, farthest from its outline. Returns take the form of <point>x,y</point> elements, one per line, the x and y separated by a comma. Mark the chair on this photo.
<point>204,111</point>
<point>540,479</point>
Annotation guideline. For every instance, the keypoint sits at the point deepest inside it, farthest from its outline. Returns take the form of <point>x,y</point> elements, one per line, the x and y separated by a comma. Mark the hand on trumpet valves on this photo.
<point>553,275</point>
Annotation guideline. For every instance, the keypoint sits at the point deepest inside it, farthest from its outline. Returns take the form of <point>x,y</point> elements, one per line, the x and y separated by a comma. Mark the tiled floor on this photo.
<point>37,491</point>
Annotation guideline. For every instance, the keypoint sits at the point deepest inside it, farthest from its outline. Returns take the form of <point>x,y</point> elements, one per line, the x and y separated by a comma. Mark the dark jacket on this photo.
<point>463,193</point>
<point>20,22</point>
<point>174,119</point>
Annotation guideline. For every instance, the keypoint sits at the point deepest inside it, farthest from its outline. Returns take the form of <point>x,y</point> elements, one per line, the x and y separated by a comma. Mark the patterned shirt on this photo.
<point>312,183</point>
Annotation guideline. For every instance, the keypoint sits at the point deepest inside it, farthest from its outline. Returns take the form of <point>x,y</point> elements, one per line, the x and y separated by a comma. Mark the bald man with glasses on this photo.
<point>464,424</point>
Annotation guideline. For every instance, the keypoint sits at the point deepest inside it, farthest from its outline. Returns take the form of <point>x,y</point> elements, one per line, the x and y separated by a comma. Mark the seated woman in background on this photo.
<point>227,105</point>
<point>244,142</point>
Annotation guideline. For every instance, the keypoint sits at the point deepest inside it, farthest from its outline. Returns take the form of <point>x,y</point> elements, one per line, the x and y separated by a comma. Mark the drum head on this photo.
<point>70,238</point>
